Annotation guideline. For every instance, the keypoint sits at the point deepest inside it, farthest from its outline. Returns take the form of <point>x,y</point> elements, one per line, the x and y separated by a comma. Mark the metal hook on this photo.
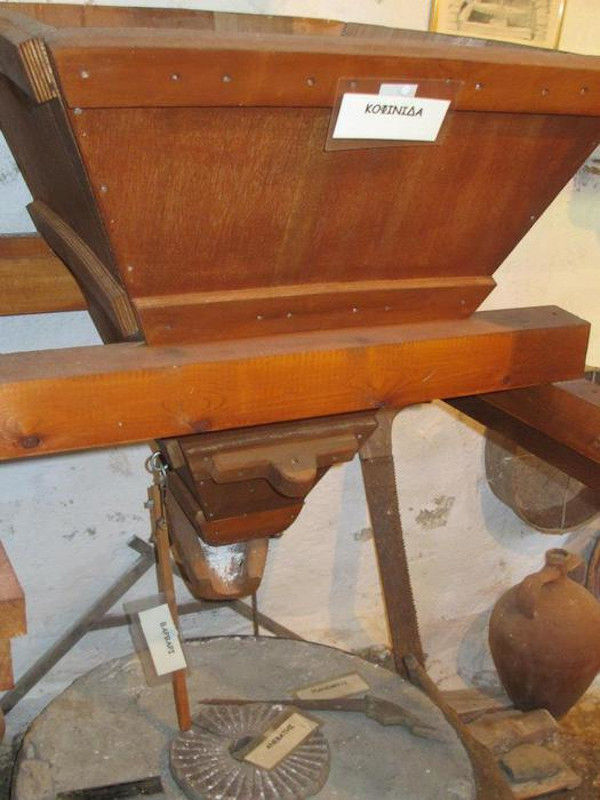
<point>156,465</point>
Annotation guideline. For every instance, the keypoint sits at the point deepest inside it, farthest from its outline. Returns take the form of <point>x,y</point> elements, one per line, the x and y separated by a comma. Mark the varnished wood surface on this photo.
<point>59,400</point>
<point>203,200</point>
<point>42,143</point>
<point>558,422</point>
<point>33,279</point>
<point>108,302</point>
<point>24,56</point>
<point>134,67</point>
<point>6,673</point>
<point>243,313</point>
<point>12,600</point>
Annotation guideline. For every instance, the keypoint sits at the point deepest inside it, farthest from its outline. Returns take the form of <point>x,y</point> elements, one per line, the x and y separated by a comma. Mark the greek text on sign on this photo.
<point>342,686</point>
<point>280,740</point>
<point>390,117</point>
<point>162,639</point>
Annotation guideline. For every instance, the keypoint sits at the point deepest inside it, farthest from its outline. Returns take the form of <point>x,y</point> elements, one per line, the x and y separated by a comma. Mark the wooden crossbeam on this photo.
<point>60,400</point>
<point>33,279</point>
<point>558,422</point>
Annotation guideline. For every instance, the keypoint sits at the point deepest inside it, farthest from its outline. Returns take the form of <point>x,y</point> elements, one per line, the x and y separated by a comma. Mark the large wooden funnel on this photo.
<point>178,166</point>
<point>181,171</point>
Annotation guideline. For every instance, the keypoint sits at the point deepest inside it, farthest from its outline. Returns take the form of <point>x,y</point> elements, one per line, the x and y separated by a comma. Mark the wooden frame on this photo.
<point>253,266</point>
<point>449,16</point>
<point>304,316</point>
<point>58,400</point>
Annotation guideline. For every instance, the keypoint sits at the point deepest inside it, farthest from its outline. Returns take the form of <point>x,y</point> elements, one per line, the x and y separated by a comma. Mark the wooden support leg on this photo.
<point>377,464</point>
<point>166,585</point>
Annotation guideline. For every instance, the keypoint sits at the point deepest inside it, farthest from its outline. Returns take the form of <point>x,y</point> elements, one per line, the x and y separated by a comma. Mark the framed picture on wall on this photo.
<point>533,22</point>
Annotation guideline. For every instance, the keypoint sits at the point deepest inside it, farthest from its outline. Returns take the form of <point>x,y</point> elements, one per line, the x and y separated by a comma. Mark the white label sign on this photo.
<point>163,640</point>
<point>343,686</point>
<point>390,117</point>
<point>279,741</point>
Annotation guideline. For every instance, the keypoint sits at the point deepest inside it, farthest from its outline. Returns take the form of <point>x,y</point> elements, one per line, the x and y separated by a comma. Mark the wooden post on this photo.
<point>165,584</point>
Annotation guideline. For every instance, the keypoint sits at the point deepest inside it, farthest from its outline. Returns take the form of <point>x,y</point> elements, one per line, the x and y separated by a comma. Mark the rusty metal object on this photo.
<point>140,788</point>
<point>383,711</point>
<point>204,767</point>
<point>545,638</point>
<point>489,780</point>
<point>379,477</point>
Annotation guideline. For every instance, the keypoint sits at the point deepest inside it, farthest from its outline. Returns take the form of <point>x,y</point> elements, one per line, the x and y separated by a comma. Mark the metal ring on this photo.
<point>157,466</point>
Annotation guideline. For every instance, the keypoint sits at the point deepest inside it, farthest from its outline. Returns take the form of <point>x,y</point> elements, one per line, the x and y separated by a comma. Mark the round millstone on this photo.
<point>203,765</point>
<point>110,727</point>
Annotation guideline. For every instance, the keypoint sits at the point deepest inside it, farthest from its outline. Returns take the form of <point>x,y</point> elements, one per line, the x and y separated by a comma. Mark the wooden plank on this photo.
<point>535,771</point>
<point>504,730</point>
<point>108,302</point>
<point>237,314</point>
<point>134,68</point>
<point>24,58</point>
<point>271,208</point>
<point>470,704</point>
<point>6,669</point>
<point>559,422</point>
<point>59,400</point>
<point>34,280</point>
<point>281,65</point>
<point>43,146</point>
<point>13,621</point>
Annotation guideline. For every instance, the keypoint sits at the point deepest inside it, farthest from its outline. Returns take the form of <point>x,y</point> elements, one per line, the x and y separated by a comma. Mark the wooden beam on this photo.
<point>6,670</point>
<point>59,400</point>
<point>12,619</point>
<point>101,69</point>
<point>24,57</point>
<point>12,600</point>
<point>559,422</point>
<point>34,280</point>
<point>108,302</point>
<point>268,311</point>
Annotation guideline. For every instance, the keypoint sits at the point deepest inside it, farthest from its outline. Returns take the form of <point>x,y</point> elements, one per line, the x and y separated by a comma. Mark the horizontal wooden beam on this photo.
<point>188,66</point>
<point>104,69</point>
<point>59,400</point>
<point>559,422</point>
<point>34,280</point>
<point>269,311</point>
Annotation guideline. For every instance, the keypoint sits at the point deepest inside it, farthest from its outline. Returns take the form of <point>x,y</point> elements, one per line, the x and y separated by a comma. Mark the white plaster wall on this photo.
<point>65,520</point>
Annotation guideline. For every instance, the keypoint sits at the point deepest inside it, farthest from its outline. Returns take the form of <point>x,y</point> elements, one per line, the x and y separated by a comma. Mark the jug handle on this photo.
<point>558,564</point>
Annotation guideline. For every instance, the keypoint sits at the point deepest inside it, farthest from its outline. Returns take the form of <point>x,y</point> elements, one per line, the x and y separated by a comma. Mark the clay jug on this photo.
<point>545,637</point>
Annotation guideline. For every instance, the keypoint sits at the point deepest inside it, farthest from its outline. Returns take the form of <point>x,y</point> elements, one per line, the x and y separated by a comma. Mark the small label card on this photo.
<point>390,117</point>
<point>162,638</point>
<point>288,731</point>
<point>343,686</point>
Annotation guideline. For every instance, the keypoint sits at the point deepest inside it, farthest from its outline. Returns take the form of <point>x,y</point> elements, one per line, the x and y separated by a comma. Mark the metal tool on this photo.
<point>140,788</point>
<point>385,712</point>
